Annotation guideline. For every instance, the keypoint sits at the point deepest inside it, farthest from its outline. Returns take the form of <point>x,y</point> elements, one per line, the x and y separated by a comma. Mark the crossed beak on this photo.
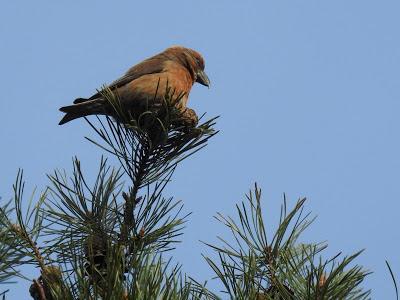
<point>202,78</point>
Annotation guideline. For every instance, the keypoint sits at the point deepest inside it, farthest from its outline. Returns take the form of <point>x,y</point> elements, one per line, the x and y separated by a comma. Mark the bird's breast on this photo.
<point>152,87</point>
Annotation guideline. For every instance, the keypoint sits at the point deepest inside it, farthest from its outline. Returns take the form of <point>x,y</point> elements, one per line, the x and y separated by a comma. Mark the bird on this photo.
<point>146,84</point>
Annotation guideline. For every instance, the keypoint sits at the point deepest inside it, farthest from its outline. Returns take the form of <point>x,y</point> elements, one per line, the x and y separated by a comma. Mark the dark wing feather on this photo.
<point>149,66</point>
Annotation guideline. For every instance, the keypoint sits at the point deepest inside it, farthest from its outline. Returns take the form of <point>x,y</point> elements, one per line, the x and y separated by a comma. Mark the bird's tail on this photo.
<point>90,107</point>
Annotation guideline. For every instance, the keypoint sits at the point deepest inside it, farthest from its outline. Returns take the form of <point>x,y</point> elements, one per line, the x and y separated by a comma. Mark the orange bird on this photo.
<point>176,67</point>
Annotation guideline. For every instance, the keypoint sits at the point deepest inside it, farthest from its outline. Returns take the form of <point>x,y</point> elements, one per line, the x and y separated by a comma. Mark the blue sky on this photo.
<point>308,93</point>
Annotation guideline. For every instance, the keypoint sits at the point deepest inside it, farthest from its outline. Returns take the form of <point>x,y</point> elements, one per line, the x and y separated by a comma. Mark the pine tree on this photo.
<point>108,240</point>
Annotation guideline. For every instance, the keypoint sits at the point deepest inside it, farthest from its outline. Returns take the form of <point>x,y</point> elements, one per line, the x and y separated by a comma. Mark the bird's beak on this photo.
<point>202,78</point>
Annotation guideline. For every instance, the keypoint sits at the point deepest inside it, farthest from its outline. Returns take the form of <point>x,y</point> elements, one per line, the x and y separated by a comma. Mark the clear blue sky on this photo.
<point>308,93</point>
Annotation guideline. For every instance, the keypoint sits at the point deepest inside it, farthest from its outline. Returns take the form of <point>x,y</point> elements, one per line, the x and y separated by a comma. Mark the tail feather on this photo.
<point>80,100</point>
<point>67,118</point>
<point>79,110</point>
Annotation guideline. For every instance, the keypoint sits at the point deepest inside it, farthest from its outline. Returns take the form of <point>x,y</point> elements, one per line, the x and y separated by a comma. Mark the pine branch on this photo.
<point>99,232</point>
<point>24,234</point>
<point>148,145</point>
<point>9,259</point>
<point>280,268</point>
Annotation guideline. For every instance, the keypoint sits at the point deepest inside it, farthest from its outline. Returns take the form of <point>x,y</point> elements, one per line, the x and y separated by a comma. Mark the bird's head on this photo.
<point>191,60</point>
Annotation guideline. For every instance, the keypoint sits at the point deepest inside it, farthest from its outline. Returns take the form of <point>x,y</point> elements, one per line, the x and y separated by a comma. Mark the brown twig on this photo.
<point>39,288</point>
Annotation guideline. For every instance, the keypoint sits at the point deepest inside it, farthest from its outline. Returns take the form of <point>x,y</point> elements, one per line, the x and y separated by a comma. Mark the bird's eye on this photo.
<point>199,63</point>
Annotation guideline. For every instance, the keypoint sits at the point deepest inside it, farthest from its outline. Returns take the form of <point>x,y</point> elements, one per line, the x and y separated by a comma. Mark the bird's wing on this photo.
<point>151,65</point>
